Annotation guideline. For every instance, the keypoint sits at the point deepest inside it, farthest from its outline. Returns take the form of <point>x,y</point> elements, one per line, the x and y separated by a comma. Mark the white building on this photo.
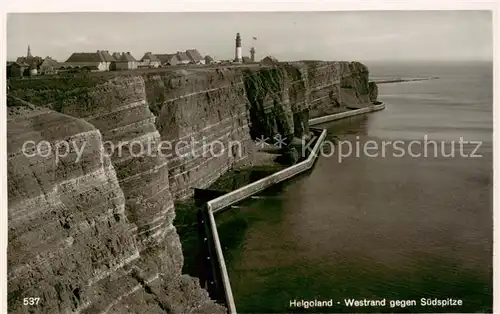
<point>149,60</point>
<point>97,61</point>
<point>126,62</point>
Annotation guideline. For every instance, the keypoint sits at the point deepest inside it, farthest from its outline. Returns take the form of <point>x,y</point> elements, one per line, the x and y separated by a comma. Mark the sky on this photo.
<point>347,35</point>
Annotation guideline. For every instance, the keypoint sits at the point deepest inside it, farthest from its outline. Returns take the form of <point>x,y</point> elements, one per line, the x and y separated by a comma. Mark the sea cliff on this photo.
<point>97,235</point>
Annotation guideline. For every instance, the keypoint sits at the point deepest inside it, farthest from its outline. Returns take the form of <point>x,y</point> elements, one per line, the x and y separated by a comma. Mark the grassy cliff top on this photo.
<point>91,79</point>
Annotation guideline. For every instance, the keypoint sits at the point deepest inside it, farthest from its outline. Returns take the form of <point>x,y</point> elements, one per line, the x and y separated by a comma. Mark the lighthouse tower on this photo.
<point>237,51</point>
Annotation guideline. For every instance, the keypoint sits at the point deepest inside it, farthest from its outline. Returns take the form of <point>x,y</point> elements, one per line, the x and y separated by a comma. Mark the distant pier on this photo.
<point>400,80</point>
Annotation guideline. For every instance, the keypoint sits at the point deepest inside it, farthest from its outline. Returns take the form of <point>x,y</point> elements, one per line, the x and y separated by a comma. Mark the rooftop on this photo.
<point>194,55</point>
<point>126,57</point>
<point>166,57</point>
<point>182,56</point>
<point>149,56</point>
<point>98,56</point>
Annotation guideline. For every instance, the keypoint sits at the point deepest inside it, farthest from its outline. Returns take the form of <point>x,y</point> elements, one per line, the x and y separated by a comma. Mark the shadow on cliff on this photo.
<point>264,90</point>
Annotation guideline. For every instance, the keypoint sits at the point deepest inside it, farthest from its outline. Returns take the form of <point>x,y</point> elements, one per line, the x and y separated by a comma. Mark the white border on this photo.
<point>3,166</point>
<point>241,6</point>
<point>496,157</point>
<point>225,6</point>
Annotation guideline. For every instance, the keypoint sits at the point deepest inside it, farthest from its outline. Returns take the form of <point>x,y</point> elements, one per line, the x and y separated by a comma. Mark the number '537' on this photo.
<point>31,301</point>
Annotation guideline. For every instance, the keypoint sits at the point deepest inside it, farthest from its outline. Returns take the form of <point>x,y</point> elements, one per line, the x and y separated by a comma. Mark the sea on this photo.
<point>410,229</point>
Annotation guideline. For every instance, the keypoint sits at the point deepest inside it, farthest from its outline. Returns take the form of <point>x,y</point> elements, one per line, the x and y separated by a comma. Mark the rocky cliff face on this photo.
<point>283,98</point>
<point>195,109</point>
<point>93,231</point>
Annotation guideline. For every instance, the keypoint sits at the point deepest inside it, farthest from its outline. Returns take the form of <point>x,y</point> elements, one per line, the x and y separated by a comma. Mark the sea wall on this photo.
<point>97,235</point>
<point>223,201</point>
<point>347,114</point>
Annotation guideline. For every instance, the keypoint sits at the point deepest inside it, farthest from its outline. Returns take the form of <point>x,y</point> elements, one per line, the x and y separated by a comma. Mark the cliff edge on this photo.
<point>92,231</point>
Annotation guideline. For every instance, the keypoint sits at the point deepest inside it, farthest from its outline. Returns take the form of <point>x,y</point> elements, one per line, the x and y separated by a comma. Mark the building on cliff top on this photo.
<point>252,53</point>
<point>168,59</point>
<point>125,62</point>
<point>94,61</point>
<point>237,49</point>
<point>269,60</point>
<point>38,65</point>
<point>48,66</point>
<point>149,60</point>
<point>107,56</point>
<point>116,55</point>
<point>183,57</point>
<point>29,59</point>
<point>209,60</point>
<point>194,56</point>
<point>16,69</point>
<point>190,56</point>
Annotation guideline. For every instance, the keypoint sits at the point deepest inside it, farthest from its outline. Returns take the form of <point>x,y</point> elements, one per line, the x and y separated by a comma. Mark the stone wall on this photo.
<point>347,114</point>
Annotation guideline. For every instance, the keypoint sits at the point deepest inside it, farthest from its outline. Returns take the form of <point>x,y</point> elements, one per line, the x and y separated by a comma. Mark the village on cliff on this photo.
<point>103,60</point>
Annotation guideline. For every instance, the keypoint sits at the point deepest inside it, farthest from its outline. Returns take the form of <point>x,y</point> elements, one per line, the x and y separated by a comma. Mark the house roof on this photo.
<point>182,56</point>
<point>194,55</point>
<point>85,57</point>
<point>269,58</point>
<point>208,58</point>
<point>106,56</point>
<point>126,57</point>
<point>98,56</point>
<point>116,55</point>
<point>18,64</point>
<point>30,60</point>
<point>166,57</point>
<point>49,61</point>
<point>149,56</point>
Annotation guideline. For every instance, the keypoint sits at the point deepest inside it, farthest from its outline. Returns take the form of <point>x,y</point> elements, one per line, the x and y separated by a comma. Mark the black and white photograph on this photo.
<point>324,161</point>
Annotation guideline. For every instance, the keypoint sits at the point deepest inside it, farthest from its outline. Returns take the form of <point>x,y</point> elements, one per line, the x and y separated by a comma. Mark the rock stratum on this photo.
<point>92,231</point>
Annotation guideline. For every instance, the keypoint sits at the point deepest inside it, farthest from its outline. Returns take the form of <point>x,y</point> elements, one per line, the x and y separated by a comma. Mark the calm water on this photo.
<point>373,227</point>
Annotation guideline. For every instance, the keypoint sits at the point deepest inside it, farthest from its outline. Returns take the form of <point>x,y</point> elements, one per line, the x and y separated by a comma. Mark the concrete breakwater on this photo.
<point>401,80</point>
<point>240,194</point>
<point>346,114</point>
<point>225,201</point>
<point>98,236</point>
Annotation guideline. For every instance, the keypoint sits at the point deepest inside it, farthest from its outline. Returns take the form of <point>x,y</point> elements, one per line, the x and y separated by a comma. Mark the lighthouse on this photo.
<point>237,51</point>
